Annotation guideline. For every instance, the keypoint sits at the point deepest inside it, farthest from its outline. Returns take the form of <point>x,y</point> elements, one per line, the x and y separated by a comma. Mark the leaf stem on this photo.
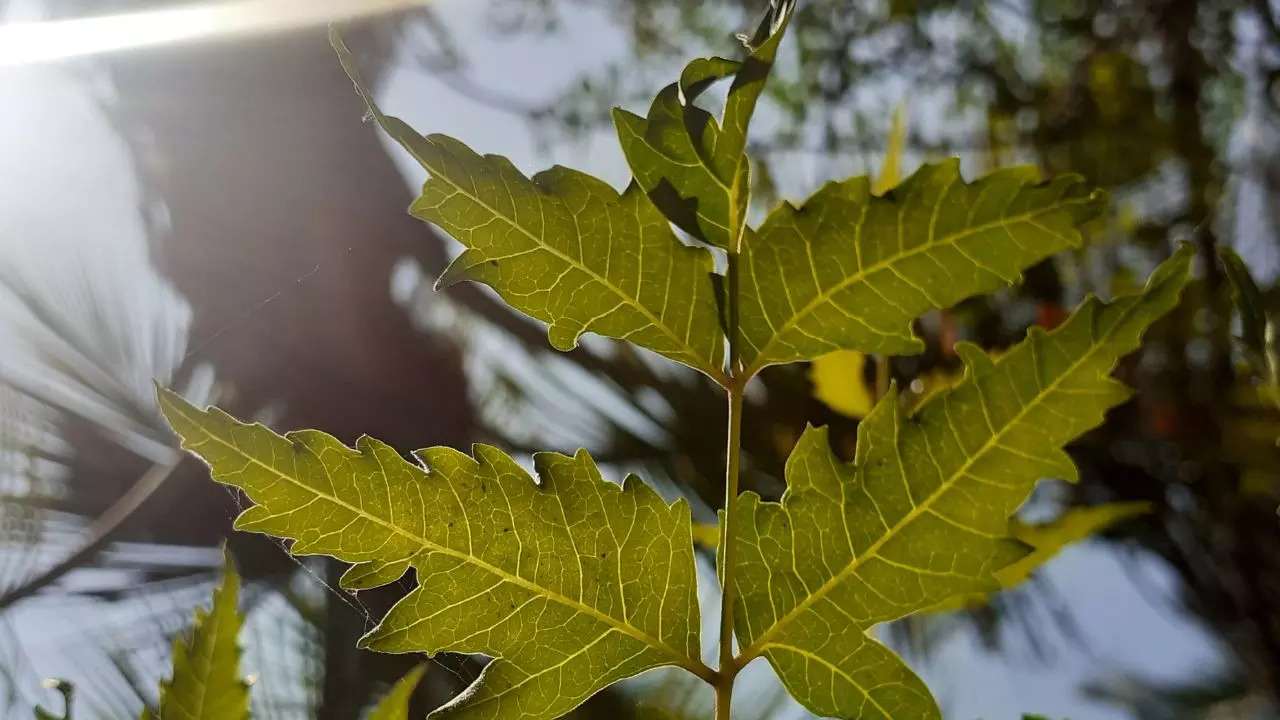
<point>724,697</point>
<point>728,669</point>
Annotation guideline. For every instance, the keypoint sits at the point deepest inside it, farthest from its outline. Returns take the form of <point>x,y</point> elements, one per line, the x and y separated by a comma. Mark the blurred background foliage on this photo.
<point>250,156</point>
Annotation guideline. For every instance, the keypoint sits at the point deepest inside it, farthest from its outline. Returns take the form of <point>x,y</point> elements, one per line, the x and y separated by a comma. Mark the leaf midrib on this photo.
<point>762,358</point>
<point>765,638</point>
<point>654,320</point>
<point>693,666</point>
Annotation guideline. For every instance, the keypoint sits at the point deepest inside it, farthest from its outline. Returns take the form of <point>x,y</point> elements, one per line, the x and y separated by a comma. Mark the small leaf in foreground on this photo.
<point>921,514</point>
<point>1047,540</point>
<point>851,271</point>
<point>564,247</point>
<point>1248,301</point>
<point>206,683</point>
<point>569,582</point>
<point>395,706</point>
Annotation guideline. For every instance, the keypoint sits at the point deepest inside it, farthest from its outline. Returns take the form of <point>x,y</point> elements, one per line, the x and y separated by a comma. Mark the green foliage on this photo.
<point>808,288</point>
<point>1046,541</point>
<point>921,514</point>
<point>570,582</point>
<point>694,169</point>
<point>1257,331</point>
<point>206,682</point>
<point>537,242</point>
<point>395,706</point>
<point>1247,298</point>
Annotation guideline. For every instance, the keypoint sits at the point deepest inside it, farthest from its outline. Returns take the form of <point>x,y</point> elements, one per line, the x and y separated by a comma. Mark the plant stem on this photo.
<point>724,697</point>
<point>728,668</point>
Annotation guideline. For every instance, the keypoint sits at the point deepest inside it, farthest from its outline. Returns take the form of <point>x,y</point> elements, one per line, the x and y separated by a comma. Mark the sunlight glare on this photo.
<point>23,43</point>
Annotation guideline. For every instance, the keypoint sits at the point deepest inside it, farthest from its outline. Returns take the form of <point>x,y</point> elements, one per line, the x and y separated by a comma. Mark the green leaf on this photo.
<point>569,582</point>
<point>851,271</point>
<point>206,683</point>
<point>1048,539</point>
<point>891,172</point>
<point>395,706</point>
<point>696,171</point>
<point>921,514</point>
<point>1248,301</point>
<point>565,247</point>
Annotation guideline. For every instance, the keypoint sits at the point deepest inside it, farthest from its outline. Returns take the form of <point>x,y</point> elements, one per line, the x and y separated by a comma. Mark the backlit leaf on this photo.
<point>693,168</point>
<point>851,271</point>
<point>837,376</point>
<point>921,514</point>
<point>570,582</point>
<point>891,172</point>
<point>206,683</point>
<point>565,247</point>
<point>395,706</point>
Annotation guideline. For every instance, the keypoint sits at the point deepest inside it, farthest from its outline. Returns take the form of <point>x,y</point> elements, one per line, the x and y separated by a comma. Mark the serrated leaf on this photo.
<point>693,168</point>
<point>851,271</point>
<point>564,247</point>
<point>395,706</point>
<point>837,376</point>
<point>920,515</point>
<point>206,682</point>
<point>1247,298</point>
<point>570,582</point>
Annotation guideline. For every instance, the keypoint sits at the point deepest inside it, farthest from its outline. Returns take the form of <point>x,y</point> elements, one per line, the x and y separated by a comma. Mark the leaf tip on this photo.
<point>562,337</point>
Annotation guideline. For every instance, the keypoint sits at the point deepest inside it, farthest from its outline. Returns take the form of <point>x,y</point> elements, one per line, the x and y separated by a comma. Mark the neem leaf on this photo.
<point>837,376</point>
<point>1248,301</point>
<point>921,514</point>
<point>565,247</point>
<point>569,582</point>
<point>696,171</point>
<point>395,706</point>
<point>206,683</point>
<point>851,271</point>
